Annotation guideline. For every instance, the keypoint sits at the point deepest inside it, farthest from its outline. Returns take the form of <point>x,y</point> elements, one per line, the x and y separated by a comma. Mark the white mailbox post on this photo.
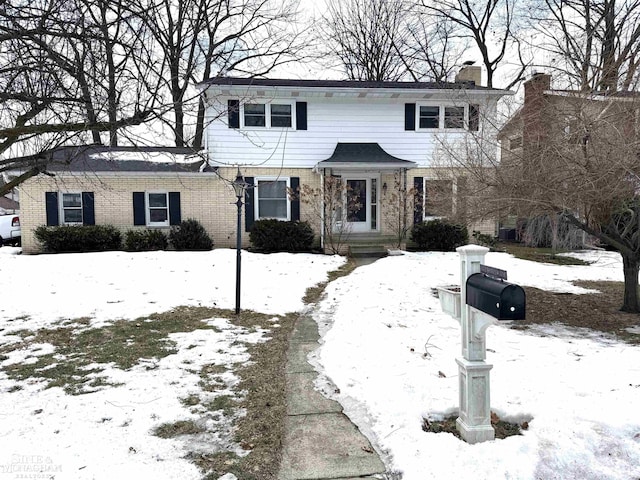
<point>474,421</point>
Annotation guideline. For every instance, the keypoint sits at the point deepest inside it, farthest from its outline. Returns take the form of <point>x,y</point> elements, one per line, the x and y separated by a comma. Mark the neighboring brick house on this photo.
<point>282,134</point>
<point>553,126</point>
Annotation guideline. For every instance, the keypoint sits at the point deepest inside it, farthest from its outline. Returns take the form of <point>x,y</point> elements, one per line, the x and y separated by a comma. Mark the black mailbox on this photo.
<point>499,299</point>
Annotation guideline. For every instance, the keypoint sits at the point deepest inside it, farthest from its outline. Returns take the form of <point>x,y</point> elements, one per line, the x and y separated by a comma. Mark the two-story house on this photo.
<point>283,135</point>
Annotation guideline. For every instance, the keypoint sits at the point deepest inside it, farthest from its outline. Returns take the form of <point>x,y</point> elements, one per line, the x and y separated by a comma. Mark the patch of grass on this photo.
<point>225,403</point>
<point>261,430</point>
<point>314,294</point>
<point>448,425</point>
<point>596,311</point>
<point>122,343</point>
<point>175,429</point>
<point>190,401</point>
<point>542,255</point>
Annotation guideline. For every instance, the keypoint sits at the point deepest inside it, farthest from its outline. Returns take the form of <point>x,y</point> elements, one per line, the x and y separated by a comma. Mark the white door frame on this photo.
<point>364,227</point>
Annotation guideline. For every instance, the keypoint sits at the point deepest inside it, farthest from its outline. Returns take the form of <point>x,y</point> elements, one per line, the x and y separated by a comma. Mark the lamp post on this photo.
<point>239,187</point>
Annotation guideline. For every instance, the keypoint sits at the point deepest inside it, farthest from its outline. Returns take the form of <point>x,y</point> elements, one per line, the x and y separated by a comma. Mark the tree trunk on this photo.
<point>631,265</point>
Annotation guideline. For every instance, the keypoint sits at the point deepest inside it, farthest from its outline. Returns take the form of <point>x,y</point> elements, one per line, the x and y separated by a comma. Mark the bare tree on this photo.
<point>369,38</point>
<point>331,205</point>
<point>489,24</point>
<point>572,156</point>
<point>594,45</point>
<point>197,39</point>
<point>49,83</point>
<point>398,205</point>
<point>433,49</point>
<point>250,38</point>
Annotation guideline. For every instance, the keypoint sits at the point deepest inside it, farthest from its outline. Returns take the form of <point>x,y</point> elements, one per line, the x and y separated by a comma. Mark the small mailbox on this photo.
<point>501,300</point>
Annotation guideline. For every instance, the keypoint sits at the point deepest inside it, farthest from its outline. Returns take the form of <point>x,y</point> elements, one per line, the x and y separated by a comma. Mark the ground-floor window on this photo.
<point>272,199</point>
<point>71,208</point>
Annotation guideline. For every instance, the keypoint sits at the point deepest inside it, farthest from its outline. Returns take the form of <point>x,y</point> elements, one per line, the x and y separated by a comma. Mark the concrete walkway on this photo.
<point>320,442</point>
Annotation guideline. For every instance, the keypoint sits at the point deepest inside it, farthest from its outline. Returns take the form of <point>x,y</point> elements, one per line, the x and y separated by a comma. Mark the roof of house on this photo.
<point>8,204</point>
<point>99,158</point>
<point>362,155</point>
<point>346,84</point>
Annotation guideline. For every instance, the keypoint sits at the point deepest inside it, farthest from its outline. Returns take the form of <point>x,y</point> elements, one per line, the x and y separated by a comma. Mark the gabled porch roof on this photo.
<point>361,156</point>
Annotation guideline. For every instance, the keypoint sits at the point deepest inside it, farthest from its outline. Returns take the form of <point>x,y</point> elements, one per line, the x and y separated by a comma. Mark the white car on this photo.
<point>10,233</point>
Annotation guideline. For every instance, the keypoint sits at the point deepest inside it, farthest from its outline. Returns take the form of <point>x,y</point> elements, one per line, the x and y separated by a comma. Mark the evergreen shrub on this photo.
<point>145,240</point>
<point>275,236</point>
<point>80,238</point>
<point>190,235</point>
<point>439,236</point>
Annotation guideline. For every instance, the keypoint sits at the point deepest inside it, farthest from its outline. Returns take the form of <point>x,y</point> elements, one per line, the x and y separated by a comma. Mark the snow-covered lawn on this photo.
<point>580,394</point>
<point>108,433</point>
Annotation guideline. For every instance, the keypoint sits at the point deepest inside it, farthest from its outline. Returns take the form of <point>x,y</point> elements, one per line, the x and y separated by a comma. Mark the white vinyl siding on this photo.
<point>329,121</point>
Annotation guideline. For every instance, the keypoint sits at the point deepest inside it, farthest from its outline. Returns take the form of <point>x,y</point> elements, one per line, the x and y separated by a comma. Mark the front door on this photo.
<point>361,203</point>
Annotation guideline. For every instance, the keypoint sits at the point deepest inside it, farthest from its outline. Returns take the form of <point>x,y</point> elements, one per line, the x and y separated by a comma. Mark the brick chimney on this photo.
<point>536,111</point>
<point>536,85</point>
<point>470,73</point>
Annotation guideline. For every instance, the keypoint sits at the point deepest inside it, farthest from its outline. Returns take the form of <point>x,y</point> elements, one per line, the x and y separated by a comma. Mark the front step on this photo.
<point>367,251</point>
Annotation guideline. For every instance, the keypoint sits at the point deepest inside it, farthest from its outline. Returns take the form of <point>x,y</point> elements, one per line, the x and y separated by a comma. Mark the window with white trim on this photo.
<point>434,117</point>
<point>255,115</point>
<point>157,209</point>
<point>272,199</point>
<point>71,208</point>
<point>268,115</point>
<point>429,116</point>
<point>453,117</point>
<point>280,115</point>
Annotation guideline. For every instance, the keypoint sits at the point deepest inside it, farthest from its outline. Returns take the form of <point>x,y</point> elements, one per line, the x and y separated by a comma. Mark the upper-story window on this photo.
<point>438,117</point>
<point>453,117</point>
<point>280,115</point>
<point>274,115</point>
<point>429,116</point>
<point>255,115</point>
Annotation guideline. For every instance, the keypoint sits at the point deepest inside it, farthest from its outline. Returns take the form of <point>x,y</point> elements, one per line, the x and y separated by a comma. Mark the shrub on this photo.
<point>439,235</point>
<point>81,238</point>
<point>190,235</point>
<point>145,240</point>
<point>484,239</point>
<point>276,236</point>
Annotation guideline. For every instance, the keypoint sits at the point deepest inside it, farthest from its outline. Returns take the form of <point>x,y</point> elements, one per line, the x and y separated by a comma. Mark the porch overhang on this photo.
<point>363,156</point>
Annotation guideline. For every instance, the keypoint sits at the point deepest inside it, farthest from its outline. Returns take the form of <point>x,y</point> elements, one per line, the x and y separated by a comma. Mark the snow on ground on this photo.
<point>390,351</point>
<point>107,434</point>
<point>110,285</point>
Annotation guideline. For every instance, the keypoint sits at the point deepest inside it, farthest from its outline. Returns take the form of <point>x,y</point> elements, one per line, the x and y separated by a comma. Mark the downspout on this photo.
<point>404,206</point>
<point>322,212</point>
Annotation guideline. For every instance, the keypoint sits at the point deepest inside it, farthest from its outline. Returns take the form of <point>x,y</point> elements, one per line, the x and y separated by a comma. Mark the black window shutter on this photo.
<point>418,185</point>
<point>51,203</point>
<point>409,116</point>
<point>233,109</point>
<point>139,216</point>
<point>88,210</point>
<point>174,208</point>
<point>301,115</point>
<point>249,200</point>
<point>295,200</point>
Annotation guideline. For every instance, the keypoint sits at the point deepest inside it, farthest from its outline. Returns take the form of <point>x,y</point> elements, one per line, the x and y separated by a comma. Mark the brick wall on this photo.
<point>209,198</point>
